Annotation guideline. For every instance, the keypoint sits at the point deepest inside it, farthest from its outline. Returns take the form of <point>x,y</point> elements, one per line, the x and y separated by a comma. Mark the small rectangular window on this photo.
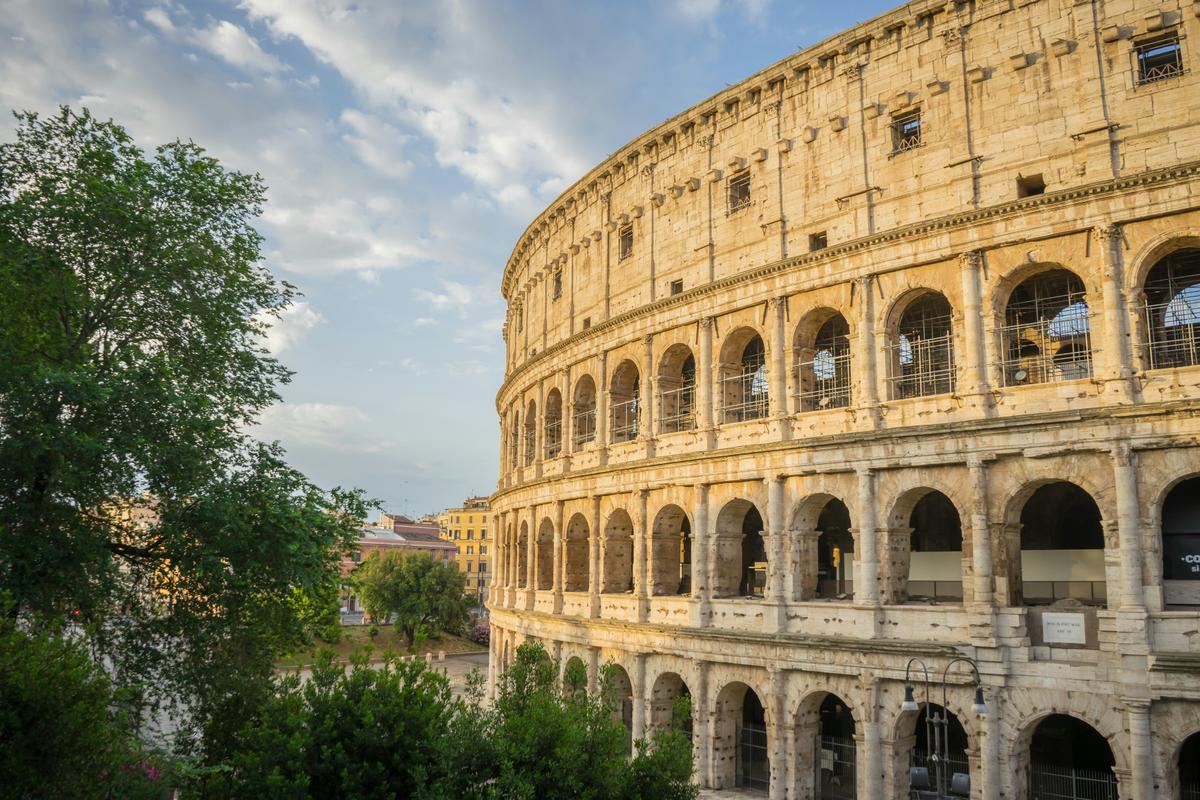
<point>676,287</point>
<point>817,241</point>
<point>625,242</point>
<point>906,132</point>
<point>1159,59</point>
<point>587,323</point>
<point>739,191</point>
<point>1030,185</point>
<point>557,293</point>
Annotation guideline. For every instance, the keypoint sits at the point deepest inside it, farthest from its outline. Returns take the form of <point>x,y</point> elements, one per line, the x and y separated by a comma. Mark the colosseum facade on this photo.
<point>888,352</point>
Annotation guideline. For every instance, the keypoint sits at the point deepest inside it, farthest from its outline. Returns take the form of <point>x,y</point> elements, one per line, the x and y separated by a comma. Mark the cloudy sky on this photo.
<point>405,146</point>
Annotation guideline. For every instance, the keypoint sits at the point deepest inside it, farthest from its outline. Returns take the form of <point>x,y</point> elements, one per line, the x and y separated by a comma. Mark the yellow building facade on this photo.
<point>467,527</point>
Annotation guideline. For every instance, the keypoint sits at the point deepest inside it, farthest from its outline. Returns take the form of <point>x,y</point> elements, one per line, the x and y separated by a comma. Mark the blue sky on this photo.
<point>406,145</point>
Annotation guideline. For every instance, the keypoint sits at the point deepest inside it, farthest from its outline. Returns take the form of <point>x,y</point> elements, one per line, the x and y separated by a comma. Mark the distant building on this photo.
<point>467,527</point>
<point>403,537</point>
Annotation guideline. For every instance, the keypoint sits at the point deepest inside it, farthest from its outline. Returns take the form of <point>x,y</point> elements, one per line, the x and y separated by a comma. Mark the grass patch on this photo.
<point>355,638</point>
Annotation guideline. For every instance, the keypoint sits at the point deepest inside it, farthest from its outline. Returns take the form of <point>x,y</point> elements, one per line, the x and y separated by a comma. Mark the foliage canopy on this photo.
<point>420,594</point>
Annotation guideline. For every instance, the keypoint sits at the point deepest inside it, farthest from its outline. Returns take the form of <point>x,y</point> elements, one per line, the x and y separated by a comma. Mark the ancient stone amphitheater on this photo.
<point>889,352</point>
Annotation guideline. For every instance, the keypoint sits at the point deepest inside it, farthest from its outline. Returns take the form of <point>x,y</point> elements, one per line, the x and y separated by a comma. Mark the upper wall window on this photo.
<point>625,242</point>
<point>1159,59</point>
<point>739,191</point>
<point>906,131</point>
<point>557,290</point>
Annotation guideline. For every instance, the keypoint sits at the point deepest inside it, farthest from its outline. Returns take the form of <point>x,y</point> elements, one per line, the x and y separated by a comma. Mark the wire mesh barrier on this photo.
<point>625,420</point>
<point>1159,60</point>
<point>530,443</point>
<point>753,765</point>
<point>929,789</point>
<point>553,438</point>
<point>676,409</point>
<point>1189,791</point>
<point>746,394</point>
<point>583,427</point>
<point>836,767</point>
<point>1174,329</point>
<point>825,381</point>
<point>1048,782</point>
<point>923,366</point>
<point>1048,350</point>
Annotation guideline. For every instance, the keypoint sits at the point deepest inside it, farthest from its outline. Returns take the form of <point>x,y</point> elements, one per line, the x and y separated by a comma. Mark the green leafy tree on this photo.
<point>422,596</point>
<point>133,308</point>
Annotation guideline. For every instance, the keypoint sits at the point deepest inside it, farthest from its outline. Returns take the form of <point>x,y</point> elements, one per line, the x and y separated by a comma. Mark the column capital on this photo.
<point>971,259</point>
<point>707,322</point>
<point>777,303</point>
<point>1108,232</point>
<point>1122,453</point>
<point>1139,705</point>
<point>648,340</point>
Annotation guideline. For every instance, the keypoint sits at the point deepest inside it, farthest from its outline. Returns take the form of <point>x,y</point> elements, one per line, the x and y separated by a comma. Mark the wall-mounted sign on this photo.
<point>1060,627</point>
<point>1181,556</point>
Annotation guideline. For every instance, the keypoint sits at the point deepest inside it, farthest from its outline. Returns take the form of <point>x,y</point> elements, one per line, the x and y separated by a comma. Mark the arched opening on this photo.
<point>583,416</point>
<point>671,552</point>
<point>1172,310</point>
<point>553,434</point>
<point>576,568</point>
<point>530,432</point>
<point>743,377</point>
<point>523,556</point>
<point>625,397</point>
<point>1189,768</point>
<point>666,712</point>
<point>741,554</point>
<point>545,556</point>
<point>575,676</point>
<point>618,554</point>
<point>921,349</point>
<point>514,436</point>
<point>677,390</point>
<point>740,754</point>
<point>826,757</point>
<point>1062,547</point>
<point>935,553</point>
<point>1181,544</point>
<point>835,552</point>
<point>1069,758</point>
<point>618,690</point>
<point>823,365</point>
<point>937,762</point>
<point>1047,330</point>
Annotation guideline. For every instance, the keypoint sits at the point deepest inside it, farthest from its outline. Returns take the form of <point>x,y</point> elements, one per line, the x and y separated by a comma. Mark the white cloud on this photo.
<point>233,44</point>
<point>458,298</point>
<point>377,144</point>
<point>697,10</point>
<point>343,428</point>
<point>423,322</point>
<point>483,336</point>
<point>468,367</point>
<point>292,325</point>
<point>158,18</point>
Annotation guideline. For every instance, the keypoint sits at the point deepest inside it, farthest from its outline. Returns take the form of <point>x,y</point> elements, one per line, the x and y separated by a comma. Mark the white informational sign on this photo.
<point>1063,628</point>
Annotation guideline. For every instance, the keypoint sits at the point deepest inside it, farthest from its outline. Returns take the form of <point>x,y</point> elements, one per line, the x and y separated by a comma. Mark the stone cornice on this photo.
<point>949,222</point>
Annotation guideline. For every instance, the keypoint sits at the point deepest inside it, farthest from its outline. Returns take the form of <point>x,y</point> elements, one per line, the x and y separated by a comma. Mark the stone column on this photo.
<point>701,728</point>
<point>1141,748</point>
<point>602,406</point>
<point>530,559</point>
<point>775,617</point>
<point>870,781</point>
<point>866,556</point>
<point>539,432</point>
<point>778,398</point>
<point>558,556</point>
<point>704,380</point>
<point>804,564</point>
<point>989,755</point>
<point>981,545</point>
<point>594,560</point>
<point>593,669</point>
<point>776,702</point>
<point>646,413</point>
<point>568,410</point>
<point>701,587</point>
<point>974,365</point>
<point>863,363</point>
<point>1128,528</point>
<point>503,449</point>
<point>638,679</point>
<point>1117,359</point>
<point>640,554</point>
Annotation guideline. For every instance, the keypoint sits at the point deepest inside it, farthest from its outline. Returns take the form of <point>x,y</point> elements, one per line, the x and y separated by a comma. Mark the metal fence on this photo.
<point>922,367</point>
<point>676,409</point>
<point>826,381</point>
<point>836,767</point>
<point>1048,350</point>
<point>583,427</point>
<point>1189,791</point>
<point>553,438</point>
<point>956,763</point>
<point>1174,331</point>
<point>625,420</point>
<point>753,764</point>
<point>1047,782</point>
<point>746,394</point>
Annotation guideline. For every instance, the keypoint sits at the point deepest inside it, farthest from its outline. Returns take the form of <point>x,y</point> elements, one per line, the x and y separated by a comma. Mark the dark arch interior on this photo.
<point>834,526</point>
<point>1181,532</point>
<point>1189,766</point>
<point>754,353</point>
<point>754,554</point>
<point>1061,516</point>
<point>936,525</point>
<point>1066,742</point>
<point>836,719</point>
<point>956,737</point>
<point>753,768</point>
<point>685,557</point>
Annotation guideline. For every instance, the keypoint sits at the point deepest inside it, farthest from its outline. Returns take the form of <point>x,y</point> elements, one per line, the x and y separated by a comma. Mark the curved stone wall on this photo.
<point>891,350</point>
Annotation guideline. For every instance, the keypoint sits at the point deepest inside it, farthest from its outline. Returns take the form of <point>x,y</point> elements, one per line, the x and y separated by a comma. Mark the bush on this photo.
<point>481,633</point>
<point>373,631</point>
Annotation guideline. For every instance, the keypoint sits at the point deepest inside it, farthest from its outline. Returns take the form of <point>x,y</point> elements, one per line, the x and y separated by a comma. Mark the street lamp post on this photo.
<point>937,736</point>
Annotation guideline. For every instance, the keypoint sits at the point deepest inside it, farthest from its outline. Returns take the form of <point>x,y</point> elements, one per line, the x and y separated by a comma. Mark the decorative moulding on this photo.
<point>783,145</point>
<point>903,99</point>
<point>809,135</point>
<point>837,122</point>
<point>1062,47</point>
<point>937,86</point>
<point>714,175</point>
<point>596,235</point>
<point>623,219</point>
<point>656,199</point>
<point>611,225</point>
<point>873,110</point>
<point>1157,20</point>
<point>977,74</point>
<point>736,163</point>
<point>1111,33</point>
<point>1021,60</point>
<point>676,190</point>
<point>759,154</point>
<point>637,212</point>
<point>692,184</point>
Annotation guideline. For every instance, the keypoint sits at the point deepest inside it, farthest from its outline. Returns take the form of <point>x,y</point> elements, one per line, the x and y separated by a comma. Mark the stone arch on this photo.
<point>1055,563</point>
<point>618,690</point>
<point>1184,767</point>
<point>826,763</point>
<point>821,343</point>
<point>523,556</point>
<point>671,552</point>
<point>1179,531</point>
<point>920,345</point>
<point>915,732</point>
<point>1060,747</point>
<point>740,748</point>
<point>1170,318</point>
<point>553,433</point>
<point>1046,332</point>
<point>577,551</point>
<point>544,555</point>
<point>742,384</point>
<point>666,690</point>
<point>583,411</point>
<point>574,675</point>
<point>824,547</point>
<point>624,392</point>
<point>740,546</point>
<point>924,521</point>
<point>677,389</point>
<point>617,553</point>
<point>1155,250</point>
<point>530,432</point>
